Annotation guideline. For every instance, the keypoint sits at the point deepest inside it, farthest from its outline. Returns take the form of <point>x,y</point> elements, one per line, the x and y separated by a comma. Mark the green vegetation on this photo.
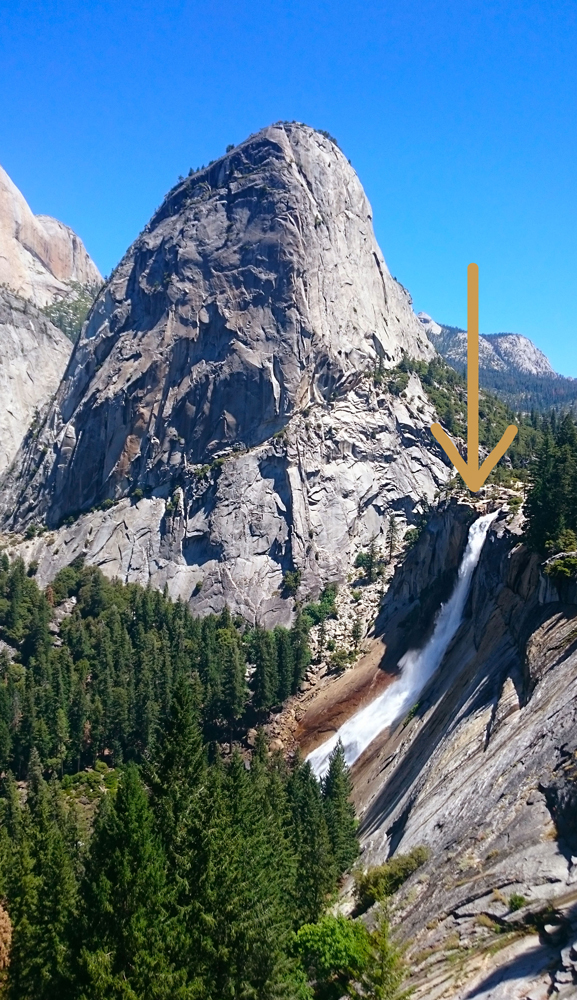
<point>447,390</point>
<point>516,902</point>
<point>328,135</point>
<point>340,659</point>
<point>316,612</point>
<point>378,883</point>
<point>334,951</point>
<point>291,581</point>
<point>411,537</point>
<point>564,568</point>
<point>551,505</point>
<point>69,313</point>
<point>192,883</point>
<point>99,692</point>
<point>343,958</point>
<point>173,873</point>
<point>372,562</point>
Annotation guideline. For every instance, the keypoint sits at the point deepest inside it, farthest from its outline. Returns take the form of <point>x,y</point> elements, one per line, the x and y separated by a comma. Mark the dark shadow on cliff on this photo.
<point>525,966</point>
<point>544,955</point>
<point>422,582</point>
<point>451,693</point>
<point>469,678</point>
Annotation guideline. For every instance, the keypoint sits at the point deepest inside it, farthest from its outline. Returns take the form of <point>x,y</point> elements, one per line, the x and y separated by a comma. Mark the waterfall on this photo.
<point>417,666</point>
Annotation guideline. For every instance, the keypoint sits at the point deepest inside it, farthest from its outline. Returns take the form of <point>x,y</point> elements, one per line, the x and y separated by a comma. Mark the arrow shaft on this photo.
<point>473,366</point>
<point>469,470</point>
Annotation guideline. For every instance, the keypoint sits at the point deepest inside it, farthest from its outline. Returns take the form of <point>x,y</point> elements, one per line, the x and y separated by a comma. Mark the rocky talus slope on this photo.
<point>483,773</point>
<point>33,357</point>
<point>221,397</point>
<point>39,256</point>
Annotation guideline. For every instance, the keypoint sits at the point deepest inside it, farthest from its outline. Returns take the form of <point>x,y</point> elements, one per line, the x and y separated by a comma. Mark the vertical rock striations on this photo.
<point>33,356</point>
<point>226,368</point>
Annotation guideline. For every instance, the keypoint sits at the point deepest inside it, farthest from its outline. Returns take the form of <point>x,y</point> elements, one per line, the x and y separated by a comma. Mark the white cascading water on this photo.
<point>418,666</point>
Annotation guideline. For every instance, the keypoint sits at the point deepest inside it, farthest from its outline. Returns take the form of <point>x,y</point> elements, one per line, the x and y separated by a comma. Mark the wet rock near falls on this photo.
<point>482,773</point>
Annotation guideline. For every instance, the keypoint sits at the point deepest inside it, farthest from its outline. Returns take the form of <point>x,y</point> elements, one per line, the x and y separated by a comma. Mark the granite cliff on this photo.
<point>39,256</point>
<point>33,356</point>
<point>482,773</point>
<point>220,400</point>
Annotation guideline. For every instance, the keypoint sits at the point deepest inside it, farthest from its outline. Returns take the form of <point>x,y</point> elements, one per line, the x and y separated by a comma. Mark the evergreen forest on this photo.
<point>137,860</point>
<point>140,854</point>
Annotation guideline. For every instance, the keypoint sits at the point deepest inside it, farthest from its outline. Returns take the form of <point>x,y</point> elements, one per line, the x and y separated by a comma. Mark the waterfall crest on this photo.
<point>417,666</point>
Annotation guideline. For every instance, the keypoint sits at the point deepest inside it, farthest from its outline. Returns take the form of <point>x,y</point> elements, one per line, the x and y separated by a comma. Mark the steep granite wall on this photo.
<point>225,376</point>
<point>479,775</point>
<point>39,256</point>
<point>33,357</point>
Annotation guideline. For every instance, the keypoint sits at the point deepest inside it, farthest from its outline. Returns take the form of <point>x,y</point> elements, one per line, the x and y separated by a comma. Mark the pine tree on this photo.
<point>339,811</point>
<point>252,916</point>
<point>42,897</point>
<point>232,668</point>
<point>392,536</point>
<point>182,801</point>
<point>123,943</point>
<point>265,678</point>
<point>316,864</point>
<point>301,650</point>
<point>285,663</point>
<point>385,969</point>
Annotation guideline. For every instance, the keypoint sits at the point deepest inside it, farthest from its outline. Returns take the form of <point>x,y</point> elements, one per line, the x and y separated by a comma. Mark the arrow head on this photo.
<point>469,470</point>
<point>473,476</point>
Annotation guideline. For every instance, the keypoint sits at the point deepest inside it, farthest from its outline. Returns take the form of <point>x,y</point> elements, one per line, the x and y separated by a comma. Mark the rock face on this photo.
<point>39,256</point>
<point>33,357</point>
<point>227,368</point>
<point>509,365</point>
<point>502,352</point>
<point>484,775</point>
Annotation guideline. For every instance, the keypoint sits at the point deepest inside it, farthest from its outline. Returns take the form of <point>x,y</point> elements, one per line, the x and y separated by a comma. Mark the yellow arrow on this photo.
<point>470,471</point>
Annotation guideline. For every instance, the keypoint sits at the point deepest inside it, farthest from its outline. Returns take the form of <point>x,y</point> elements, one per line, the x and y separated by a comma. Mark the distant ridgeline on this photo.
<point>506,372</point>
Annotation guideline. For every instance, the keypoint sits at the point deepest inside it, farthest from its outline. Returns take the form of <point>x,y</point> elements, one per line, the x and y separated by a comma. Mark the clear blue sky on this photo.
<point>460,118</point>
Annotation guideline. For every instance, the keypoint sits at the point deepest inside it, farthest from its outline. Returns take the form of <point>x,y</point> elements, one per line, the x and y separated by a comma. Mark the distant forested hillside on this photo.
<point>520,389</point>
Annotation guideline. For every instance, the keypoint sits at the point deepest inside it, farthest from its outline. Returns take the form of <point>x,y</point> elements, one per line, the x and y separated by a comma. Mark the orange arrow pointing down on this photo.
<point>470,471</point>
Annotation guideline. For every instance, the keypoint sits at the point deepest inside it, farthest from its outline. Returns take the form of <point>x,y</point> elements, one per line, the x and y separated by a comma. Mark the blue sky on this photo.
<point>460,118</point>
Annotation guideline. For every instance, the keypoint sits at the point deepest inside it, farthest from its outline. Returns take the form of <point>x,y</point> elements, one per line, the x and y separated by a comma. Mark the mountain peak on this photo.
<point>39,256</point>
<point>517,350</point>
<point>509,364</point>
<point>225,367</point>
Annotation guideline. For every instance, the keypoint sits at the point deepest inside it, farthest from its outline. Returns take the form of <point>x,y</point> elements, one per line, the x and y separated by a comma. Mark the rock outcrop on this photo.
<point>39,256</point>
<point>224,382</point>
<point>503,352</point>
<point>484,775</point>
<point>33,357</point>
<point>509,365</point>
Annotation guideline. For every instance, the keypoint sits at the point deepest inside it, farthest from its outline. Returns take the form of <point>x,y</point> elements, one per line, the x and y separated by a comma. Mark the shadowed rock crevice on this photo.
<point>256,301</point>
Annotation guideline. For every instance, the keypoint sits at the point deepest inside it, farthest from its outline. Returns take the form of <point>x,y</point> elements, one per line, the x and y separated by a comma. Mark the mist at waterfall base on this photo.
<point>417,666</point>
